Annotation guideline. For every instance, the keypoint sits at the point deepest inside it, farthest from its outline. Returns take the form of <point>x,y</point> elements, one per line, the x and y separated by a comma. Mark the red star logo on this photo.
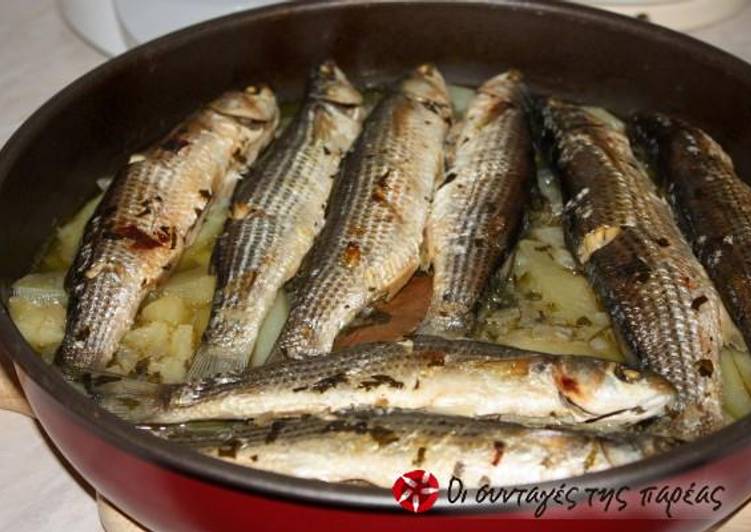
<point>416,491</point>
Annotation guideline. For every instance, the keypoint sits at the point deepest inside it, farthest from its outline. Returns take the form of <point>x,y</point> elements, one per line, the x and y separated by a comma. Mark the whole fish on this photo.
<point>477,212</point>
<point>150,214</point>
<point>424,373</point>
<point>275,215</point>
<point>376,447</point>
<point>370,244</point>
<point>712,203</point>
<point>662,304</point>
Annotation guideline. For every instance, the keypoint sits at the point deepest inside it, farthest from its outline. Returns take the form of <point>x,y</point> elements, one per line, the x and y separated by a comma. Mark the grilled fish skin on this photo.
<point>457,377</point>
<point>712,203</point>
<point>477,213</point>
<point>150,214</point>
<point>377,446</point>
<point>661,301</point>
<point>275,215</point>
<point>370,244</point>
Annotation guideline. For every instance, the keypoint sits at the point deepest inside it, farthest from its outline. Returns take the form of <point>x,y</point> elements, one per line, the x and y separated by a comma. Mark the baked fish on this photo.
<point>150,214</point>
<point>712,203</point>
<point>370,244</point>
<point>457,377</point>
<point>275,214</point>
<point>376,447</point>
<point>477,212</point>
<point>662,304</point>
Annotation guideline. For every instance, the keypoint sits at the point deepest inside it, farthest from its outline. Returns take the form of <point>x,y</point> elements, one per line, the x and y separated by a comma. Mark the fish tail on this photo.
<point>131,399</point>
<point>210,362</point>
<point>204,433</point>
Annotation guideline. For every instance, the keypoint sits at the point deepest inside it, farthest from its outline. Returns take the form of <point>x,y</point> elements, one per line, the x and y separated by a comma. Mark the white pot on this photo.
<point>676,14</point>
<point>115,25</point>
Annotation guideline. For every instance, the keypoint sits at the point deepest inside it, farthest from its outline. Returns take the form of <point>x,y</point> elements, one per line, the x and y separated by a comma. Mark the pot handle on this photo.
<point>12,399</point>
<point>11,394</point>
<point>113,520</point>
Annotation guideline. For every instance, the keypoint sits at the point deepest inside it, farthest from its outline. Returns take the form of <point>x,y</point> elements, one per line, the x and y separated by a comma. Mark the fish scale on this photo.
<point>423,373</point>
<point>151,213</point>
<point>712,203</point>
<point>477,213</point>
<point>663,306</point>
<point>370,244</point>
<point>376,446</point>
<point>274,217</point>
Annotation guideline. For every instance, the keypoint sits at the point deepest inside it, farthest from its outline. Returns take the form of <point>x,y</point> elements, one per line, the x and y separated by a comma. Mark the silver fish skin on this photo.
<point>478,211</point>
<point>150,214</point>
<point>712,203</point>
<point>371,242</point>
<point>454,377</point>
<point>662,304</point>
<point>276,213</point>
<point>376,447</point>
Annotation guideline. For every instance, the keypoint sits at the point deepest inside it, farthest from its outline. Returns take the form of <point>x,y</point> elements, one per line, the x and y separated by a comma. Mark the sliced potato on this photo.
<point>736,396</point>
<point>540,276</point>
<point>125,360</point>
<point>270,329</point>
<point>42,288</point>
<point>69,235</point>
<point>152,339</point>
<point>560,341</point>
<point>527,339</point>
<point>168,308</point>
<point>195,258</point>
<point>199,252</point>
<point>195,287</point>
<point>170,370</point>
<point>41,324</point>
<point>181,343</point>
<point>172,366</point>
<point>201,321</point>
<point>552,235</point>
<point>742,361</point>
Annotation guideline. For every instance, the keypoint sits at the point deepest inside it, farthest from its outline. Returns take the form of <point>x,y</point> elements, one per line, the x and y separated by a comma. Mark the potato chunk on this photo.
<point>736,397</point>
<point>69,235</point>
<point>41,288</point>
<point>194,287</point>
<point>538,274</point>
<point>41,324</point>
<point>169,309</point>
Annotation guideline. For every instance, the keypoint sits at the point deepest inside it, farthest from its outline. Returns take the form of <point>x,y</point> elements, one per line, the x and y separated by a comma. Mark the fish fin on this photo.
<point>210,362</point>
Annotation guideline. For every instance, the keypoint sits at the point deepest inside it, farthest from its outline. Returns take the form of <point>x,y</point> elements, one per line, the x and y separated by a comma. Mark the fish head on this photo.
<point>500,94</point>
<point>330,84</point>
<point>565,116</point>
<point>338,107</point>
<point>650,128</point>
<point>603,391</point>
<point>665,140</point>
<point>546,118</point>
<point>256,103</point>
<point>426,85</point>
<point>505,85</point>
